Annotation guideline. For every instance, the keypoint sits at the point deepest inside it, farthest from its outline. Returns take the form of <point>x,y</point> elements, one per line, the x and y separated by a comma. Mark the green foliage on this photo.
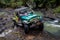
<point>48,3</point>
<point>41,3</point>
<point>57,10</point>
<point>11,3</point>
<point>15,3</point>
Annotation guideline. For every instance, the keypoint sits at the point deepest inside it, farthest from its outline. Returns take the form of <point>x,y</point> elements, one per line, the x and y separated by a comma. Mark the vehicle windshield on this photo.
<point>25,12</point>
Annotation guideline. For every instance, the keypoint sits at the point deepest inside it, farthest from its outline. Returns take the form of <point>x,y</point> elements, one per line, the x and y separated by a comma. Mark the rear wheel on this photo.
<point>41,27</point>
<point>26,29</point>
<point>15,24</point>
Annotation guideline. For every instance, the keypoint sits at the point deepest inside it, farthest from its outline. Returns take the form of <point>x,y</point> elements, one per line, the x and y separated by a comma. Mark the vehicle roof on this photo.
<point>22,8</point>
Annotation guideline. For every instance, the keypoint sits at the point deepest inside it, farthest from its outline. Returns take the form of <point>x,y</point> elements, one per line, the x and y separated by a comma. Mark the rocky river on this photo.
<point>8,33</point>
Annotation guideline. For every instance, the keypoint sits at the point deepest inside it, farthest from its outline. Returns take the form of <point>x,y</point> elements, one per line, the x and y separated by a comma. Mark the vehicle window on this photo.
<point>24,12</point>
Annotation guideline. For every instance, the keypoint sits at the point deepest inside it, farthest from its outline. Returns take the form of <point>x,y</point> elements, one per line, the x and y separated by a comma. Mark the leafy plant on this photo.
<point>57,10</point>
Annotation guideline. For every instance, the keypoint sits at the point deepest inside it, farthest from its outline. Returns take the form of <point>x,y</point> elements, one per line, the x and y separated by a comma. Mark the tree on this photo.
<point>24,2</point>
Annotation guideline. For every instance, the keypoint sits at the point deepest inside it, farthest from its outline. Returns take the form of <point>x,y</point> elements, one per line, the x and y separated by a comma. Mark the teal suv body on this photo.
<point>26,18</point>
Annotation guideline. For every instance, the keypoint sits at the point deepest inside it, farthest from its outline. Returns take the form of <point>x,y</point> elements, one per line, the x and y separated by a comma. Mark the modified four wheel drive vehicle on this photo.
<point>26,18</point>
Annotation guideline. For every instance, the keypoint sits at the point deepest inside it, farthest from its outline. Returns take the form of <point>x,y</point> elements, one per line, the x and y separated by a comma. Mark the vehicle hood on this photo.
<point>28,17</point>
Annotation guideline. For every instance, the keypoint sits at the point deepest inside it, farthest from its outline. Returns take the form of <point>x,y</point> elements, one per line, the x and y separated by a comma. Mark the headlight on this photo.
<point>41,18</point>
<point>38,17</point>
<point>25,21</point>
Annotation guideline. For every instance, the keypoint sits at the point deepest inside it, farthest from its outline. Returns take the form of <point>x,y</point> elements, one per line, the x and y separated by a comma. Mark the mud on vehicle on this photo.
<point>26,18</point>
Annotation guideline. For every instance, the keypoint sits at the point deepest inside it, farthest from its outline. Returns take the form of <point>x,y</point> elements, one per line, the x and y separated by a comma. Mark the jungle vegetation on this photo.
<point>34,4</point>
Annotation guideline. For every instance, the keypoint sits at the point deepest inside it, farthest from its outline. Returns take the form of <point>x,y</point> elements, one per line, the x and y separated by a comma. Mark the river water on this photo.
<point>52,26</point>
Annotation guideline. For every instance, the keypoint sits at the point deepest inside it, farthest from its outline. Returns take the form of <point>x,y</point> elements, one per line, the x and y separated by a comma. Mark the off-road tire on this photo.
<point>41,27</point>
<point>26,29</point>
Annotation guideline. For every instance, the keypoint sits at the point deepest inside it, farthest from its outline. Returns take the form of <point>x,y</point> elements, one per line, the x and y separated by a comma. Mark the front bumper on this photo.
<point>35,25</point>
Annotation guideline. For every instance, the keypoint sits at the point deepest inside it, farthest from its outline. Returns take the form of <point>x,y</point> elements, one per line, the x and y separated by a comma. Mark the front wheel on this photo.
<point>41,27</point>
<point>26,29</point>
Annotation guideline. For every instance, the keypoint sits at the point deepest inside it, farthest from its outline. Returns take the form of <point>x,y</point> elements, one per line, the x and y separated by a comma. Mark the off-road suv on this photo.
<point>26,18</point>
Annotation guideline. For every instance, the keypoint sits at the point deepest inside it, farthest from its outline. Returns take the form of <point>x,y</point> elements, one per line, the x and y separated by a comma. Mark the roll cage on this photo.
<point>23,11</point>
